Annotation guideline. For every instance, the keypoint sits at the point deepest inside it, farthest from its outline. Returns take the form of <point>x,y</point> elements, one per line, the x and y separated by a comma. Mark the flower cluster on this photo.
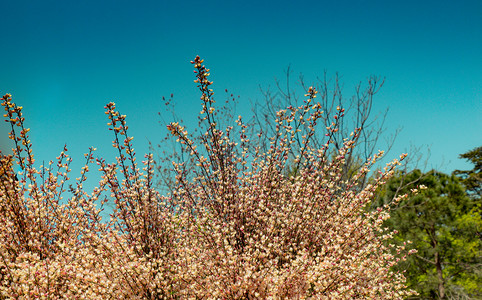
<point>235,226</point>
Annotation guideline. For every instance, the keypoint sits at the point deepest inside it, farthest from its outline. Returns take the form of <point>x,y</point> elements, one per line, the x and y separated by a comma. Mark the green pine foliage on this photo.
<point>472,178</point>
<point>443,223</point>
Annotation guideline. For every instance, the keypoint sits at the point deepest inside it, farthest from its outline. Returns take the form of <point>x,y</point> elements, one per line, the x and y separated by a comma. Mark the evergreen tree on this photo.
<point>472,178</point>
<point>442,222</point>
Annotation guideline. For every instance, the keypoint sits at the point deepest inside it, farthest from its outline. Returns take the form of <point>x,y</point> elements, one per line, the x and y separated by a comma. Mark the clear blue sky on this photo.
<point>64,60</point>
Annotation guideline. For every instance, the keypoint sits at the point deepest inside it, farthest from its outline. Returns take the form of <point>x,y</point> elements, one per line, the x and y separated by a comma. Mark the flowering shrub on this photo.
<point>234,227</point>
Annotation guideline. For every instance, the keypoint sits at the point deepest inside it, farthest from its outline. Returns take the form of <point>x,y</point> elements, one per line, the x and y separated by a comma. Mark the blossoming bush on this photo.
<point>235,226</point>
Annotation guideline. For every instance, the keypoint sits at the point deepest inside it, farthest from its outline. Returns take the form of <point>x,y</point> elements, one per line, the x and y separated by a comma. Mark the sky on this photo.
<point>64,60</point>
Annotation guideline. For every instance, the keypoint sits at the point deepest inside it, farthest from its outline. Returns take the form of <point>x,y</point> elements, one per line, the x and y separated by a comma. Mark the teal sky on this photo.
<point>64,60</point>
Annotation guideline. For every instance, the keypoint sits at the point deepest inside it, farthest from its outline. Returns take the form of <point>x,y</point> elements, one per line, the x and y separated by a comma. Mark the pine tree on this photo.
<point>442,222</point>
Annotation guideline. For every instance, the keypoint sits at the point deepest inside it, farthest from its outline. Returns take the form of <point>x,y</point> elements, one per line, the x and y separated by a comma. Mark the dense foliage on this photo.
<point>444,224</point>
<point>472,179</point>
